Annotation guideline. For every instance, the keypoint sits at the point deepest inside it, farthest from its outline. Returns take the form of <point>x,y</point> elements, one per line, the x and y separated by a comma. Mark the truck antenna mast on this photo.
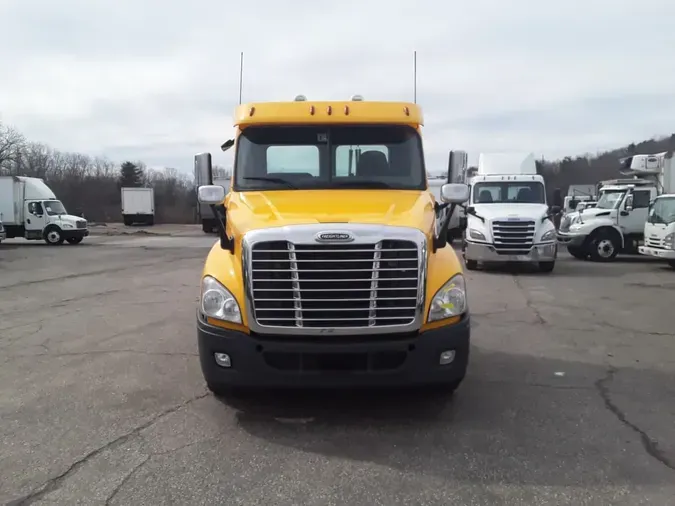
<point>241,74</point>
<point>415,76</point>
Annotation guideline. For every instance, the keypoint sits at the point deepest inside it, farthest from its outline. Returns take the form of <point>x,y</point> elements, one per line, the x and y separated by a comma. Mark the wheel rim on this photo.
<point>53,236</point>
<point>605,248</point>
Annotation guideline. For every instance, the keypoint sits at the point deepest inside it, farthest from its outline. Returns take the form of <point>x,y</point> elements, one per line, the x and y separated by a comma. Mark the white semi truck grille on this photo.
<point>513,237</point>
<point>334,285</point>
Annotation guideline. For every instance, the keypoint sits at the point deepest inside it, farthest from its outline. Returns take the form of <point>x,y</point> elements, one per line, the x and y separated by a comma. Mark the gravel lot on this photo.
<point>569,398</point>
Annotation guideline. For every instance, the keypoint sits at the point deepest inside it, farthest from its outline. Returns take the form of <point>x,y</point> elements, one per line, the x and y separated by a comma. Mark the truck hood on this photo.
<point>499,211</point>
<point>264,209</point>
<point>66,218</point>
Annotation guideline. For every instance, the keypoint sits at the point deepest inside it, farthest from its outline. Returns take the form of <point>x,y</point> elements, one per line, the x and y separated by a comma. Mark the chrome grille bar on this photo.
<point>513,237</point>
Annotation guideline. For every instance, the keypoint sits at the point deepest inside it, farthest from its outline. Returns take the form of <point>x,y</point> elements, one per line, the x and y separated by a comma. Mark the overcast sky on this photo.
<point>158,80</point>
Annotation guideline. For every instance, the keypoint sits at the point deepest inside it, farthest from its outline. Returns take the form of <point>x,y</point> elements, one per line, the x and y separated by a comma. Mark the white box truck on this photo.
<point>138,206</point>
<point>29,209</point>
<point>508,217</point>
<point>659,230</point>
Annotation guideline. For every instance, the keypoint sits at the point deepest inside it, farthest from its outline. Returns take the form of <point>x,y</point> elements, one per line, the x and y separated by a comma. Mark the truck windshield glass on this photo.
<point>321,157</point>
<point>663,211</point>
<point>609,199</point>
<point>54,207</point>
<point>513,192</point>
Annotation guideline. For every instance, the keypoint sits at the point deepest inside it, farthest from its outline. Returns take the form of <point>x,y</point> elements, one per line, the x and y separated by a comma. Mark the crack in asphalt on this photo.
<point>648,443</point>
<point>126,479</point>
<point>55,483</point>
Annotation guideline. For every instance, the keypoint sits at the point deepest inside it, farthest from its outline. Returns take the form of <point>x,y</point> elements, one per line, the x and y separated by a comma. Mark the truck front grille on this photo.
<point>655,242</point>
<point>513,237</point>
<point>334,286</point>
<point>81,224</point>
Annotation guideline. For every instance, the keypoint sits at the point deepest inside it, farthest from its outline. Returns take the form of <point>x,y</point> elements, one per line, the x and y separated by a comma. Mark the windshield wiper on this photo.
<point>278,180</point>
<point>366,184</point>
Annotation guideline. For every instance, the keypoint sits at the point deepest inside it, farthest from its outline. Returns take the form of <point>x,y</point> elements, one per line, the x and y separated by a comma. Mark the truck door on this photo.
<point>633,221</point>
<point>36,219</point>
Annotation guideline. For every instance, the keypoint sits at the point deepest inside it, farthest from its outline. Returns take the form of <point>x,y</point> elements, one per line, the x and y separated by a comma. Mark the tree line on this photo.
<point>91,185</point>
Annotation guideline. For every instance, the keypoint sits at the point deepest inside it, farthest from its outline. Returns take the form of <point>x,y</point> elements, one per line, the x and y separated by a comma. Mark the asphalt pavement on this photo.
<point>569,397</point>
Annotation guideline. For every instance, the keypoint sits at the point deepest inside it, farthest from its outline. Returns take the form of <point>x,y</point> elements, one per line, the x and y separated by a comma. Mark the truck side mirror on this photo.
<point>555,210</point>
<point>628,206</point>
<point>454,193</point>
<point>203,168</point>
<point>573,204</point>
<point>212,194</point>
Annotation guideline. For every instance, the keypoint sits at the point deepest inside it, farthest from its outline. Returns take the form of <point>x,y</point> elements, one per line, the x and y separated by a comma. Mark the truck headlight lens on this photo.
<point>449,301</point>
<point>669,241</point>
<point>475,234</point>
<point>548,236</point>
<point>217,301</point>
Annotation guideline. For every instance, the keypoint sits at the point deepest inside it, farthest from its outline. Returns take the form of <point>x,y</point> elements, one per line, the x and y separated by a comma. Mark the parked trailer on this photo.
<point>29,209</point>
<point>138,206</point>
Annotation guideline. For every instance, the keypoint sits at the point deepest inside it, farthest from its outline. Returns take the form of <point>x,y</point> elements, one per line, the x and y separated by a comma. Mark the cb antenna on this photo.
<point>241,74</point>
<point>415,76</point>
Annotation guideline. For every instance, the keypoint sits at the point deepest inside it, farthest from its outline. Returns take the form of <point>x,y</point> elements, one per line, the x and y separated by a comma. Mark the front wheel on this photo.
<point>604,248</point>
<point>74,240</point>
<point>671,263</point>
<point>52,236</point>
<point>546,266</point>
<point>471,265</point>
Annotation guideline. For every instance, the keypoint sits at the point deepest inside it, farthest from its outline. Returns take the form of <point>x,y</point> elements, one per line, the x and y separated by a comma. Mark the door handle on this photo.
<point>27,220</point>
<point>624,213</point>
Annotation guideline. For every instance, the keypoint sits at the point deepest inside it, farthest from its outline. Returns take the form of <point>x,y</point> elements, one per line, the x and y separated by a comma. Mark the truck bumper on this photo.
<point>71,233</point>
<point>482,252</point>
<point>286,361</point>
<point>565,239</point>
<point>3,235</point>
<point>666,254</point>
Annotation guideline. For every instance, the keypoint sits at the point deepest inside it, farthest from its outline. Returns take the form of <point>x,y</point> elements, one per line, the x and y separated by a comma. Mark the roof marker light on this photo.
<point>311,110</point>
<point>251,111</point>
<point>329,110</point>
<point>346,110</point>
<point>300,98</point>
<point>406,111</point>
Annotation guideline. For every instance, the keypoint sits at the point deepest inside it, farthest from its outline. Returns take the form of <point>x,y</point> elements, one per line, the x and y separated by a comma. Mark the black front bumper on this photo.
<point>565,239</point>
<point>288,361</point>
<point>74,233</point>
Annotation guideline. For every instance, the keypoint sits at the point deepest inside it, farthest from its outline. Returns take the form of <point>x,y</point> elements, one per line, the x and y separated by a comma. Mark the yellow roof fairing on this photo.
<point>332,112</point>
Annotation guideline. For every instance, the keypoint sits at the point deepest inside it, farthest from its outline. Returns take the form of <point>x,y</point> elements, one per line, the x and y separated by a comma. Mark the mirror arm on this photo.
<point>442,239</point>
<point>220,213</point>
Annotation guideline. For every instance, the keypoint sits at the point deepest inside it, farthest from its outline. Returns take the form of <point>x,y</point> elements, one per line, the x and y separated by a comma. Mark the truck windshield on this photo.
<point>663,211</point>
<point>509,192</point>
<point>54,207</point>
<point>336,157</point>
<point>609,199</point>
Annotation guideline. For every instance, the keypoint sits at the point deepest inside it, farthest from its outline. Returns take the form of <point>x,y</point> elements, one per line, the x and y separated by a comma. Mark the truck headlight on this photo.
<point>449,301</point>
<point>67,225</point>
<point>548,236</point>
<point>217,301</point>
<point>475,234</point>
<point>669,241</point>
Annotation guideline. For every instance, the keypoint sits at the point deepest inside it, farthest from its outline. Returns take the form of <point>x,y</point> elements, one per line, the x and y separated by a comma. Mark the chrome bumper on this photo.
<point>666,254</point>
<point>482,252</point>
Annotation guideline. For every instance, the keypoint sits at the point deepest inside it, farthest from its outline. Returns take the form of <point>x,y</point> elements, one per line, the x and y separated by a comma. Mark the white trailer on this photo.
<point>29,209</point>
<point>138,206</point>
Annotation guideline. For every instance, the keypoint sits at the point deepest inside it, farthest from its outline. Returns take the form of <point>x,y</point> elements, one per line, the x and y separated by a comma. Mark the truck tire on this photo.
<point>604,246</point>
<point>127,221</point>
<point>577,252</point>
<point>74,240</point>
<point>207,228</point>
<point>151,221</point>
<point>546,266</point>
<point>671,263</point>
<point>471,265</point>
<point>52,235</point>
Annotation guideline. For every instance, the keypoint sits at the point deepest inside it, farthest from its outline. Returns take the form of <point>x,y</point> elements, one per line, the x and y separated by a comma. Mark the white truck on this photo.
<point>508,218</point>
<point>138,206</point>
<point>617,222</point>
<point>3,234</point>
<point>29,209</point>
<point>659,230</point>
<point>577,193</point>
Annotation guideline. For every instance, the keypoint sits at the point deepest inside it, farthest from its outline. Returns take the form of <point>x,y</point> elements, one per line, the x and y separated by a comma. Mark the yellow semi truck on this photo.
<point>332,268</point>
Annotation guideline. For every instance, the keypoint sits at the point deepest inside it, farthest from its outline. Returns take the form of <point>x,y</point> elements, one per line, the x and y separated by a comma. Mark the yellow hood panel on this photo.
<point>265,209</point>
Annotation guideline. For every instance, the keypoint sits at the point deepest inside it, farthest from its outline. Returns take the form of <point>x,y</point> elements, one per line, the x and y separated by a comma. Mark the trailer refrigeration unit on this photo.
<point>138,206</point>
<point>29,209</point>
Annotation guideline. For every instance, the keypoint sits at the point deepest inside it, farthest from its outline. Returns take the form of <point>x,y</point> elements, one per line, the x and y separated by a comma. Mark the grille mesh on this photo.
<point>334,286</point>
<point>513,237</point>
